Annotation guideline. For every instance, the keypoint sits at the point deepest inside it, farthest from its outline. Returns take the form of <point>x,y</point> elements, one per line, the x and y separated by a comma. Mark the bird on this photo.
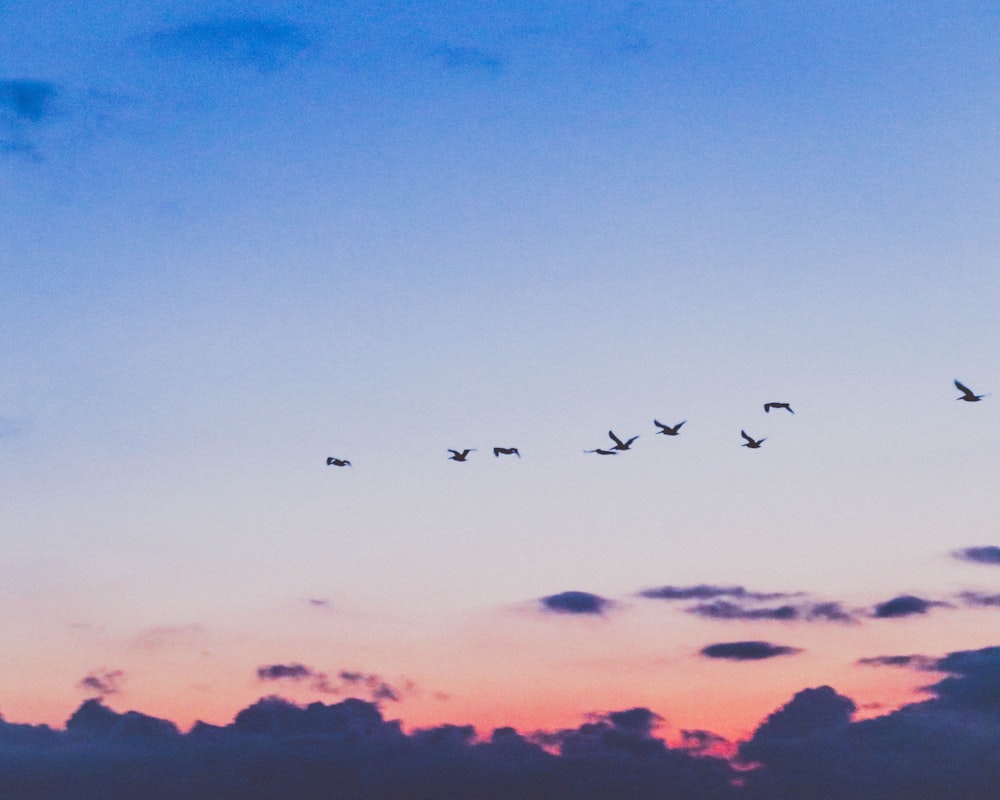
<point>752,443</point>
<point>337,462</point>
<point>619,444</point>
<point>967,393</point>
<point>769,406</point>
<point>460,455</point>
<point>601,452</point>
<point>506,451</point>
<point>666,429</point>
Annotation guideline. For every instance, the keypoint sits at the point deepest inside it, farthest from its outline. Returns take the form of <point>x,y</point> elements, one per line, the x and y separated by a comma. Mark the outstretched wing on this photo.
<point>744,435</point>
<point>964,389</point>
<point>617,441</point>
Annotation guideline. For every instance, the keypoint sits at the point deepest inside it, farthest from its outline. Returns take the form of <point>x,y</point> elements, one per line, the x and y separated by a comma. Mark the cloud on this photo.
<point>747,651</point>
<point>923,663</point>
<point>102,682</point>
<point>979,555</point>
<point>938,748</point>
<point>904,605</point>
<point>707,592</point>
<point>811,747</point>
<point>24,106</point>
<point>280,672</point>
<point>161,637</point>
<point>265,45</point>
<point>347,682</point>
<point>788,612</point>
<point>980,599</point>
<point>275,748</point>
<point>467,59</point>
<point>576,603</point>
<point>724,609</point>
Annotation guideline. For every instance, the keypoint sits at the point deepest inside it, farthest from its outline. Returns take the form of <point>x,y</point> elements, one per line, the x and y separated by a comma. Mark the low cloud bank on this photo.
<point>812,747</point>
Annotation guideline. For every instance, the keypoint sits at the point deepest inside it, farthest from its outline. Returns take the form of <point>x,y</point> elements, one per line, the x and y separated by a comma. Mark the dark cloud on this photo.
<point>725,609</point>
<point>943,747</point>
<point>468,59</point>
<point>102,682</point>
<point>347,682</point>
<point>278,672</point>
<point>275,748</point>
<point>263,44</point>
<point>707,592</point>
<point>26,101</point>
<point>829,611</point>
<point>747,651</point>
<point>980,599</point>
<point>812,747</point>
<point>923,663</point>
<point>904,605</point>
<point>576,603</point>
<point>979,555</point>
<point>24,106</point>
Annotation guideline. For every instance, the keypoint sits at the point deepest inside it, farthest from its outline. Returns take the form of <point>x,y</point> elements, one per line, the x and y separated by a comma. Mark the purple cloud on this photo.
<point>102,682</point>
<point>918,662</point>
<point>280,672</point>
<point>707,592</point>
<point>576,603</point>
<point>905,605</point>
<point>979,555</point>
<point>747,651</point>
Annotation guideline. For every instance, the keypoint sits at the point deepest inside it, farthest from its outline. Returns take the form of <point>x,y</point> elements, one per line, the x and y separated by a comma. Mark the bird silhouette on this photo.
<point>506,451</point>
<point>666,429</point>
<point>967,394</point>
<point>457,455</point>
<point>769,406</point>
<point>601,452</point>
<point>337,462</point>
<point>619,444</point>
<point>752,443</point>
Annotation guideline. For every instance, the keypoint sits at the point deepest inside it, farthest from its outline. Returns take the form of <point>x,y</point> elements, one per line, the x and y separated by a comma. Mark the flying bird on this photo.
<point>601,452</point>
<point>337,462</point>
<point>506,451</point>
<point>752,443</point>
<point>666,429</point>
<point>967,394</point>
<point>457,455</point>
<point>769,406</point>
<point>619,444</point>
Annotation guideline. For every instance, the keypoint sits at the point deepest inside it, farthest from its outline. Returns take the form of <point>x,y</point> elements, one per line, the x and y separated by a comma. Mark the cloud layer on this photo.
<point>812,747</point>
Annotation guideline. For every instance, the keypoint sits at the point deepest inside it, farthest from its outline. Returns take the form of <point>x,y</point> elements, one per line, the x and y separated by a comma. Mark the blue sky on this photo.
<point>240,238</point>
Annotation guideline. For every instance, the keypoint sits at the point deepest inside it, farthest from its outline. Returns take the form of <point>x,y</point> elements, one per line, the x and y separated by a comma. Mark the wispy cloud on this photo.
<point>747,651</point>
<point>708,592</point>
<point>102,682</point>
<point>346,682</point>
<point>979,555</point>
<point>980,599</point>
<point>262,44</point>
<point>574,602</point>
<point>24,106</point>
<point>918,662</point>
<point>467,59</point>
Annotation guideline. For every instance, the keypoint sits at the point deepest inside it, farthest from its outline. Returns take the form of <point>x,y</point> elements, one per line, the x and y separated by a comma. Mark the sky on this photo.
<point>241,238</point>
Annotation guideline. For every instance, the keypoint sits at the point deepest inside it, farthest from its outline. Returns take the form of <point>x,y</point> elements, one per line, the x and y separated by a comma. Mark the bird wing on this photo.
<point>963,388</point>
<point>744,435</point>
<point>767,407</point>
<point>617,441</point>
<point>659,424</point>
<point>629,442</point>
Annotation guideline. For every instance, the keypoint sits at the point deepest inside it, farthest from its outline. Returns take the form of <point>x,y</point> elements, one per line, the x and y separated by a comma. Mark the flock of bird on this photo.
<point>622,445</point>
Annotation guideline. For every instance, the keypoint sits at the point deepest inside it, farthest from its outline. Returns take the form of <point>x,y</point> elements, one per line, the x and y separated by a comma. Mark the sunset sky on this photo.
<point>237,238</point>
